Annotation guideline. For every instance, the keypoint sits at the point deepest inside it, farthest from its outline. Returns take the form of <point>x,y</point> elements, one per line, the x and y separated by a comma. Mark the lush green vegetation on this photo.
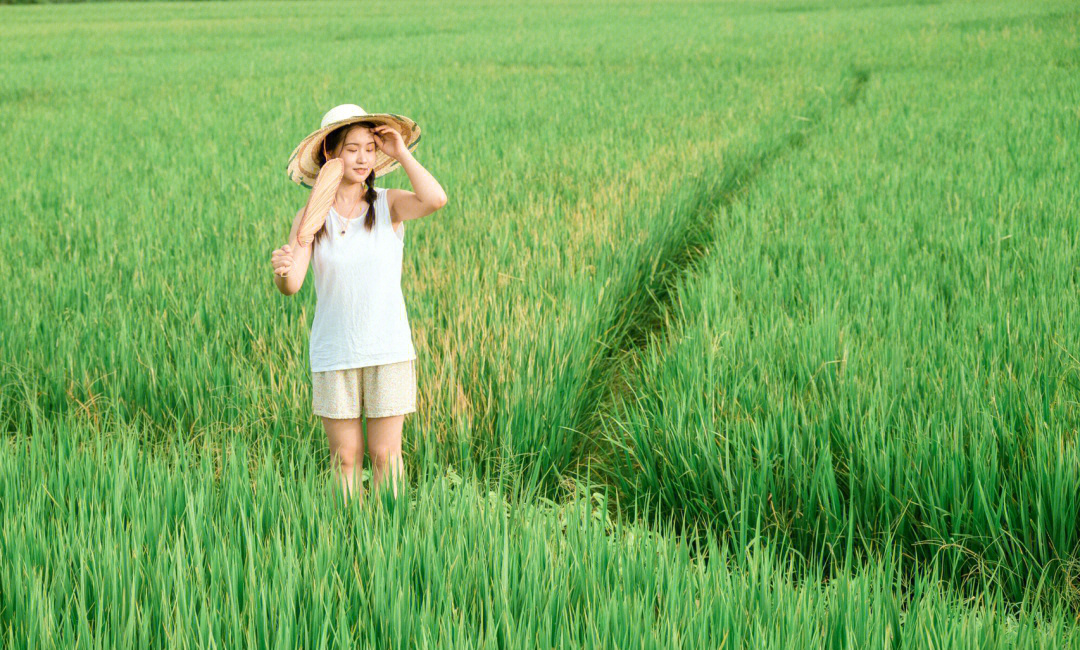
<point>234,549</point>
<point>797,278</point>
<point>884,338</point>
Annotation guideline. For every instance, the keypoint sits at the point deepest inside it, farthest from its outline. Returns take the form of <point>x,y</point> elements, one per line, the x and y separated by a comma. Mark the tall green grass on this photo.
<point>881,348</point>
<point>126,546</point>
<point>558,145</point>
<point>162,479</point>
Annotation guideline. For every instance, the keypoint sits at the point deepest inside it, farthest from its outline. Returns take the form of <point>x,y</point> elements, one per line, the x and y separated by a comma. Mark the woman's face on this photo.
<point>357,151</point>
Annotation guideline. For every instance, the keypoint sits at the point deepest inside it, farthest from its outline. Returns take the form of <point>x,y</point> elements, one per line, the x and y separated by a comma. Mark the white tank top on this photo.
<point>360,318</point>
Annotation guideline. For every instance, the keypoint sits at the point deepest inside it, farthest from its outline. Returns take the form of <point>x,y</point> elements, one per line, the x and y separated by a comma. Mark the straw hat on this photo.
<point>303,165</point>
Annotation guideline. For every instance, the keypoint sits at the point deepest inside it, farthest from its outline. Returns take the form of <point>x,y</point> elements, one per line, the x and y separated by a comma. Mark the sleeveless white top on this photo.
<point>360,317</point>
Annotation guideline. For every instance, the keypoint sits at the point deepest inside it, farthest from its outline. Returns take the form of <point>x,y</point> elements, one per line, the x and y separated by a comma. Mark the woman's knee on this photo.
<point>346,440</point>
<point>383,454</point>
<point>347,455</point>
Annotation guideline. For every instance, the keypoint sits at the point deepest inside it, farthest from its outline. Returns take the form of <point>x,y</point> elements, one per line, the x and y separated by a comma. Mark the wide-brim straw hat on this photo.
<point>303,164</point>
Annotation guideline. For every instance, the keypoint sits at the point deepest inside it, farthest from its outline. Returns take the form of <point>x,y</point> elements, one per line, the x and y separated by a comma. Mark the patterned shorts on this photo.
<point>377,391</point>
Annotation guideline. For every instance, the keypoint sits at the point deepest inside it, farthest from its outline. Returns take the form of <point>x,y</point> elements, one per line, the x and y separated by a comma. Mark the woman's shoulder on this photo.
<point>390,193</point>
<point>384,194</point>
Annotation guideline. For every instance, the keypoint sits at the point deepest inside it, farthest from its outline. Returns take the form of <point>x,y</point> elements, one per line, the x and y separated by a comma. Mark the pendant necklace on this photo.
<point>345,221</point>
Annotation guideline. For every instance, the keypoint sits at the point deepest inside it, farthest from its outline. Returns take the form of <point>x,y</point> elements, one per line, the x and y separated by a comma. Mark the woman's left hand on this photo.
<point>389,141</point>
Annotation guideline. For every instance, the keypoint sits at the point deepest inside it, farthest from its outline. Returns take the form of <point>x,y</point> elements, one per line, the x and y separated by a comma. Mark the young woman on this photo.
<point>362,356</point>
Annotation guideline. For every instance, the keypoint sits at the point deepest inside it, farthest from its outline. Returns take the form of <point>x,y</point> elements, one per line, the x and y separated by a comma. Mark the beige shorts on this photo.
<point>378,391</point>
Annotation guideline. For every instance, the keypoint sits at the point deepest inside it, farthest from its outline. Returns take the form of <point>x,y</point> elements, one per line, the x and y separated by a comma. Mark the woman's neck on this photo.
<point>349,193</point>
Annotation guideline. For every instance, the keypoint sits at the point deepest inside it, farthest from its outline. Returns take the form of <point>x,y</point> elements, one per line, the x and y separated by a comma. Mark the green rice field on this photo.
<point>747,324</point>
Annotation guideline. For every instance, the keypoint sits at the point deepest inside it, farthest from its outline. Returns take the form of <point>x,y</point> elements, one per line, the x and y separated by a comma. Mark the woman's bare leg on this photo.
<point>346,452</point>
<point>384,447</point>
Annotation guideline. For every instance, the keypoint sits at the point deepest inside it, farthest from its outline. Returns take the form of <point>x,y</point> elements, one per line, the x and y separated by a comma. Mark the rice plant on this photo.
<point>748,324</point>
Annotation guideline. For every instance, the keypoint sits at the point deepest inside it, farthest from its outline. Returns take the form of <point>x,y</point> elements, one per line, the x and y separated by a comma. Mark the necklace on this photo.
<point>347,221</point>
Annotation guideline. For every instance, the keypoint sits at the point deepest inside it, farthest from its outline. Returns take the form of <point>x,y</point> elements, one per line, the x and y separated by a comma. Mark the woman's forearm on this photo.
<point>426,188</point>
<point>284,284</point>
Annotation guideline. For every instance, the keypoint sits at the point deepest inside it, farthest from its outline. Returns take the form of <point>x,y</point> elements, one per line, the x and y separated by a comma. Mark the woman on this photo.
<point>362,356</point>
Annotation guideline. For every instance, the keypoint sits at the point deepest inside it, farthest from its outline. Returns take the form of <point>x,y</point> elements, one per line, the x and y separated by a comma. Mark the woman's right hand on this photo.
<point>282,260</point>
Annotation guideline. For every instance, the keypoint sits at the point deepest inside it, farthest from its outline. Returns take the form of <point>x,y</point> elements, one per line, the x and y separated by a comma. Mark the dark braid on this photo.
<point>370,195</point>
